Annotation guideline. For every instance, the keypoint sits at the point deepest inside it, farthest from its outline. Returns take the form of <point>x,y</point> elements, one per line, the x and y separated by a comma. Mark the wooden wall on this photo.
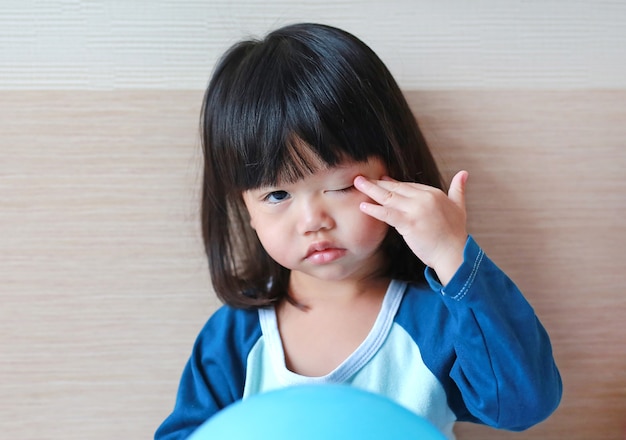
<point>103,283</point>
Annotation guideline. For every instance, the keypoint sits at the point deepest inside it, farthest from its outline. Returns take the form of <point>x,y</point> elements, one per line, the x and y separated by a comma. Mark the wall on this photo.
<point>103,283</point>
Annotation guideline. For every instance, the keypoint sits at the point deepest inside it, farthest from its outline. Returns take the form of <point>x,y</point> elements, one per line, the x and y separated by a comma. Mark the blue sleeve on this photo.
<point>215,372</point>
<point>502,367</point>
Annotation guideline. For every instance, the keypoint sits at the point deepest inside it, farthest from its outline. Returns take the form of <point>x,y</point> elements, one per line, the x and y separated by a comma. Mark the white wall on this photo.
<point>428,44</point>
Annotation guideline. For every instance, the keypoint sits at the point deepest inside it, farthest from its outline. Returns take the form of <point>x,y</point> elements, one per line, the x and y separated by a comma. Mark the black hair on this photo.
<point>307,86</point>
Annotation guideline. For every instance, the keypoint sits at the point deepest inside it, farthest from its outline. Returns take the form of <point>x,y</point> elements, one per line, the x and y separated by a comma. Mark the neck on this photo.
<point>307,292</point>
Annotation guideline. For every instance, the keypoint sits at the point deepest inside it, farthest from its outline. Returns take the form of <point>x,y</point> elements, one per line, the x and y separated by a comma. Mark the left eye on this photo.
<point>277,196</point>
<point>346,189</point>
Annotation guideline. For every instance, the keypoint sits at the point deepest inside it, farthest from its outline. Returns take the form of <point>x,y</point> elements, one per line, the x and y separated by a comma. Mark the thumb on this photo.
<point>456,193</point>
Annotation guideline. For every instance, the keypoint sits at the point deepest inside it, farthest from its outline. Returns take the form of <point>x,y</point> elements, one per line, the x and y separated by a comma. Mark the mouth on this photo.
<point>324,252</point>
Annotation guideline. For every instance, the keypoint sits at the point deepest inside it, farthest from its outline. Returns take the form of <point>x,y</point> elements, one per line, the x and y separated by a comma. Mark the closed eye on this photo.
<point>346,189</point>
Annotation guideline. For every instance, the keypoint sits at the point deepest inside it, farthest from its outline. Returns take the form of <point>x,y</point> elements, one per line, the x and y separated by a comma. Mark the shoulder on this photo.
<point>215,373</point>
<point>230,327</point>
<point>232,315</point>
<point>425,317</point>
<point>421,306</point>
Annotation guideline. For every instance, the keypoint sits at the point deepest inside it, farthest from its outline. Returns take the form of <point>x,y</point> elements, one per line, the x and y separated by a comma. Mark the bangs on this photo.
<point>295,112</point>
<point>298,159</point>
<point>289,136</point>
<point>292,159</point>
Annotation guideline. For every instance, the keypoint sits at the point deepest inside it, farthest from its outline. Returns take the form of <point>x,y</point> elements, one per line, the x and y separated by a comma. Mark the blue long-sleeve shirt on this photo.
<point>472,351</point>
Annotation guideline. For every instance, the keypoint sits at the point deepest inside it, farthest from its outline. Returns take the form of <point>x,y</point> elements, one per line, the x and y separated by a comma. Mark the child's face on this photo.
<point>315,226</point>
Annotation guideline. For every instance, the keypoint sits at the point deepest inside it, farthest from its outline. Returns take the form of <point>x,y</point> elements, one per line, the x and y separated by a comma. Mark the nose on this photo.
<point>313,216</point>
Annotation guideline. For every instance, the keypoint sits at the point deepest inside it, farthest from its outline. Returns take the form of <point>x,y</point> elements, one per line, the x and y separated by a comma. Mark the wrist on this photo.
<point>449,262</point>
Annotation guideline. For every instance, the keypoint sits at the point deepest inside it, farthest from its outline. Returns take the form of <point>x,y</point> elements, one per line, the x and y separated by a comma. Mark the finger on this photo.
<point>456,193</point>
<point>406,189</point>
<point>378,212</point>
<point>388,191</point>
<point>375,191</point>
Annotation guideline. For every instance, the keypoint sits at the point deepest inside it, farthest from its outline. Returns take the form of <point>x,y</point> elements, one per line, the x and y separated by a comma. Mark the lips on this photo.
<point>324,252</point>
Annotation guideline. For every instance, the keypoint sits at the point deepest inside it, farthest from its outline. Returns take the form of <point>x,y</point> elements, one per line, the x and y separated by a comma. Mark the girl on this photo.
<point>339,256</point>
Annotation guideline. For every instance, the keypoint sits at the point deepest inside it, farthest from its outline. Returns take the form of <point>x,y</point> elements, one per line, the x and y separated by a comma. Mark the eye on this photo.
<point>346,189</point>
<point>276,197</point>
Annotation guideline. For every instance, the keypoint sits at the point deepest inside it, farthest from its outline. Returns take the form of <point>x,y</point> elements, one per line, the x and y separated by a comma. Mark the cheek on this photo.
<point>274,241</point>
<point>264,233</point>
<point>364,230</point>
<point>368,231</point>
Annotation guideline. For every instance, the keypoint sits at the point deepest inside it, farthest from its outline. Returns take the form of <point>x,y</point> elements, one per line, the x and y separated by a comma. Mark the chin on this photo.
<point>333,275</point>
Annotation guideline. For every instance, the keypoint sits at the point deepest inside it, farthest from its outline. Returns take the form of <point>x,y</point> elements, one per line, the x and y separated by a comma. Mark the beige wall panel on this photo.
<point>102,279</point>
<point>104,286</point>
<point>547,200</point>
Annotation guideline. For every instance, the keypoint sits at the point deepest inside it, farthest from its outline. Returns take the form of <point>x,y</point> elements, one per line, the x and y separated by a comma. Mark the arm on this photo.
<point>503,369</point>
<point>214,374</point>
<point>501,360</point>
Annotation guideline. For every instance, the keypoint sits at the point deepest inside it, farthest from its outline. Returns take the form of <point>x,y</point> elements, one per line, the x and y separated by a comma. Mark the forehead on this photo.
<point>296,159</point>
<point>341,173</point>
<point>299,160</point>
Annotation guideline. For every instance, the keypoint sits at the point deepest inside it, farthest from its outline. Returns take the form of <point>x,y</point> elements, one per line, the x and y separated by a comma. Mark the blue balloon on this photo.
<point>316,412</point>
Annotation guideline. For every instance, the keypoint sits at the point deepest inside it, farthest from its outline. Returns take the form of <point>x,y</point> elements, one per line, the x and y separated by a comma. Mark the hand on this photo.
<point>432,223</point>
